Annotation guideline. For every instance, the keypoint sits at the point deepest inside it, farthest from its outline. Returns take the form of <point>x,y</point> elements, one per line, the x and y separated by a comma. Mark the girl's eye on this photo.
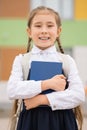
<point>50,26</point>
<point>38,26</point>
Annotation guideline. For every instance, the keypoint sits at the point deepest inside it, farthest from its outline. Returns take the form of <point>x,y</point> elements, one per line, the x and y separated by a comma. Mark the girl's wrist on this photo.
<point>43,100</point>
<point>45,85</point>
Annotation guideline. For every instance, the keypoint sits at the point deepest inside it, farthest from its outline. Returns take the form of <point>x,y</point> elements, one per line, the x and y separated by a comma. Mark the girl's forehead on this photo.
<point>44,12</point>
<point>44,17</point>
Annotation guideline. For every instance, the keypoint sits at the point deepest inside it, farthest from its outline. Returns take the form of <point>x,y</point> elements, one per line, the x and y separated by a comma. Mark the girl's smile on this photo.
<point>44,39</point>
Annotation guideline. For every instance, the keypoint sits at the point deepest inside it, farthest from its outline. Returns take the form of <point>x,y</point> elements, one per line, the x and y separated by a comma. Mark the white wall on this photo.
<point>80,55</point>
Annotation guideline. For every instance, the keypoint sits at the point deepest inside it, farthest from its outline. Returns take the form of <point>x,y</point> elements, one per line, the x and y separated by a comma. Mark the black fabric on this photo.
<point>43,118</point>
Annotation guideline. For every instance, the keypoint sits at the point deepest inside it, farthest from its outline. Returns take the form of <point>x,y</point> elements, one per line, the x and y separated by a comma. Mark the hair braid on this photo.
<point>79,117</point>
<point>29,44</point>
<point>59,45</point>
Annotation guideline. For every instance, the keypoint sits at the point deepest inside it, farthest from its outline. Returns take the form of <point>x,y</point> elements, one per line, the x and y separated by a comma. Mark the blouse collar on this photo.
<point>36,50</point>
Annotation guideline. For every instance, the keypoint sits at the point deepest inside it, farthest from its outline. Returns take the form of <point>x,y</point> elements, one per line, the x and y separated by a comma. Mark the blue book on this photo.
<point>41,70</point>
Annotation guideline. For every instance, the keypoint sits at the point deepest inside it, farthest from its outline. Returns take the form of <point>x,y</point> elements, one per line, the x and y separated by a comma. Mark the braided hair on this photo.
<point>29,44</point>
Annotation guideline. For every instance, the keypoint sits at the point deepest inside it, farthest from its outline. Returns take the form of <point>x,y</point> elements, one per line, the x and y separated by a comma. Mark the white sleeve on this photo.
<point>16,87</point>
<point>73,96</point>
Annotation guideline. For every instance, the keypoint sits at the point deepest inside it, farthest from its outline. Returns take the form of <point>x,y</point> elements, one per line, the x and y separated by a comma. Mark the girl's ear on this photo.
<point>59,31</point>
<point>28,32</point>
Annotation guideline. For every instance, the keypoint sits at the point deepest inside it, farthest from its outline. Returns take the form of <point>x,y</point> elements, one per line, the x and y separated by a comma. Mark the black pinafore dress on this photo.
<point>43,118</point>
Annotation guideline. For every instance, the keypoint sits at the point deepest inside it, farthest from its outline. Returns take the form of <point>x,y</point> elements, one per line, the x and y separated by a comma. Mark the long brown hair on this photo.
<point>76,110</point>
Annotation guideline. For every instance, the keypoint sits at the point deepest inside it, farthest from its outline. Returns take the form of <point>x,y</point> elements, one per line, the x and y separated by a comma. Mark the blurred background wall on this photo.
<point>13,23</point>
<point>13,37</point>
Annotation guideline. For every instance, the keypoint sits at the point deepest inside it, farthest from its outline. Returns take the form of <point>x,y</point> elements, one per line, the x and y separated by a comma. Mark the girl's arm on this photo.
<point>73,96</point>
<point>17,88</point>
<point>36,101</point>
<point>21,89</point>
<point>56,83</point>
<point>53,83</point>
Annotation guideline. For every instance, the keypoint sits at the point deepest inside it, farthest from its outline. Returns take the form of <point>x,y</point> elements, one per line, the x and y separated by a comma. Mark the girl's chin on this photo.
<point>44,47</point>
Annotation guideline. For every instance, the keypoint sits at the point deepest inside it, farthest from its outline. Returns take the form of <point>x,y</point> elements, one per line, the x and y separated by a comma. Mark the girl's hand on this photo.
<point>36,101</point>
<point>56,83</point>
<point>31,102</point>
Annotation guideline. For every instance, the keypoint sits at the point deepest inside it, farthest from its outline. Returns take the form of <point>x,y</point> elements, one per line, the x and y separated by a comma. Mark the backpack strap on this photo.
<point>65,62</point>
<point>19,103</point>
<point>25,64</point>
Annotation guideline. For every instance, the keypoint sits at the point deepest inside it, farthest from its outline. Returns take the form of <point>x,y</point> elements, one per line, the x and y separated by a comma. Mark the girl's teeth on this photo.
<point>44,38</point>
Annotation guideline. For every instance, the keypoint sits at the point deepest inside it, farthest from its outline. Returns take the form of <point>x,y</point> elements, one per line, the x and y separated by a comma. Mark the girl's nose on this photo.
<point>44,30</point>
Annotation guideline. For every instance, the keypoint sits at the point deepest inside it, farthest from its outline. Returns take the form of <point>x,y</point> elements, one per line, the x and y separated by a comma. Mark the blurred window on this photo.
<point>64,7</point>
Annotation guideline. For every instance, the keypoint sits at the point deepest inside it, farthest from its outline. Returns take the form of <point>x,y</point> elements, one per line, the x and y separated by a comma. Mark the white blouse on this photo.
<point>18,88</point>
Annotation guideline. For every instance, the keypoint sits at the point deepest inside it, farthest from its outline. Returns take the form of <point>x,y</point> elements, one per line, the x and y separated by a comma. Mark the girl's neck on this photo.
<point>43,48</point>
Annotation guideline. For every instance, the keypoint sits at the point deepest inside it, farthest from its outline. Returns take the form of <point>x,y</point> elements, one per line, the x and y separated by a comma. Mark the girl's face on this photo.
<point>44,30</point>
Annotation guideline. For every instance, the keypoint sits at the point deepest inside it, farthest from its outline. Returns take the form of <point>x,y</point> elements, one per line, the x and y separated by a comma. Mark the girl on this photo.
<point>51,111</point>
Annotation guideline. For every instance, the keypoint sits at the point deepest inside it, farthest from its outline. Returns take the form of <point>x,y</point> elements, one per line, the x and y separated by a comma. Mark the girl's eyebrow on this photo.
<point>48,22</point>
<point>37,22</point>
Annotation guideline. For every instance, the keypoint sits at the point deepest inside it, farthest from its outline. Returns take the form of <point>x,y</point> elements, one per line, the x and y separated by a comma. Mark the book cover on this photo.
<point>41,70</point>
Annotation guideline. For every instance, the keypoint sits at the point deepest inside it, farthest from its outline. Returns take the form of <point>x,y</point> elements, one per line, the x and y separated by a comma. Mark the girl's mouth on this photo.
<point>44,38</point>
